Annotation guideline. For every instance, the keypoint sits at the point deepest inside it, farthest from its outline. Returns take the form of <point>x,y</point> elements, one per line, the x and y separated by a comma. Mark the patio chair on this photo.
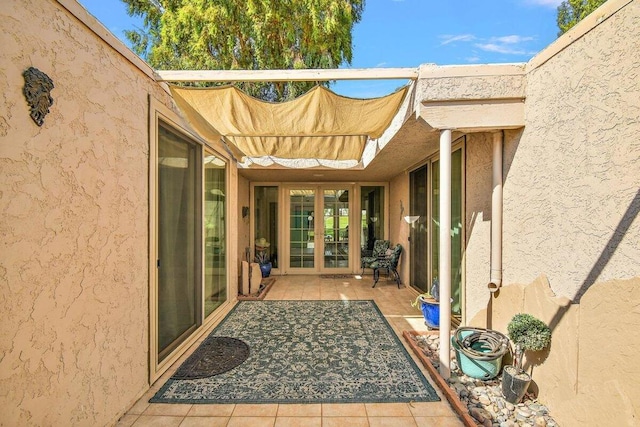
<point>367,257</point>
<point>389,263</point>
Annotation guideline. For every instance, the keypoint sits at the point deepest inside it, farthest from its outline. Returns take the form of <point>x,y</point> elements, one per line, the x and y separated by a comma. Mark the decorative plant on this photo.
<point>434,293</point>
<point>262,257</point>
<point>527,333</point>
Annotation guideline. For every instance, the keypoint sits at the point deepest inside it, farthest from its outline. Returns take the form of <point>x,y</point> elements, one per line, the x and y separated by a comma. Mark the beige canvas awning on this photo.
<point>318,125</point>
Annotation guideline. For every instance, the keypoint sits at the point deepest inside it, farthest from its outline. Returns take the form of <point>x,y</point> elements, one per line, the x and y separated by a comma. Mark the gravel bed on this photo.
<point>484,399</point>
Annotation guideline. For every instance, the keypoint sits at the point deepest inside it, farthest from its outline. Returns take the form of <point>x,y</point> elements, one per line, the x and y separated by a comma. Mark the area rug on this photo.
<point>308,352</point>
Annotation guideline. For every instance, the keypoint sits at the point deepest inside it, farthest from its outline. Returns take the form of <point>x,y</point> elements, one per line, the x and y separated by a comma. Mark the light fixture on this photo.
<point>374,218</point>
<point>411,219</point>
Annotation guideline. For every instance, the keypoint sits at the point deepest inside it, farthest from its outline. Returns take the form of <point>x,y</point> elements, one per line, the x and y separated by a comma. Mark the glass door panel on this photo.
<point>456,226</point>
<point>336,229</point>
<point>372,216</point>
<point>179,240</point>
<point>215,265</point>
<point>419,229</point>
<point>301,228</point>
<point>265,202</point>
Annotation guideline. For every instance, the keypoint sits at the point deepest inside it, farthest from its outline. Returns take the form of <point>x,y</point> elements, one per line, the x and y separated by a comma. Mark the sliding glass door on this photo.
<point>424,234</point>
<point>335,224</point>
<point>178,239</point>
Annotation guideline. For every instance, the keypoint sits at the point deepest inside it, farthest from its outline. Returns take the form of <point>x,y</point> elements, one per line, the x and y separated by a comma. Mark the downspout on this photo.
<point>495,279</point>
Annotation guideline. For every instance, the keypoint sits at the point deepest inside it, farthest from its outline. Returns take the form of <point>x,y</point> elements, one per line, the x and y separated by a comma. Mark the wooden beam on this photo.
<point>286,75</point>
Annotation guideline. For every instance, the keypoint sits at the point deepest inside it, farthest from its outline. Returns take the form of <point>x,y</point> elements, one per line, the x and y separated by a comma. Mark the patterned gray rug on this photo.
<point>308,352</point>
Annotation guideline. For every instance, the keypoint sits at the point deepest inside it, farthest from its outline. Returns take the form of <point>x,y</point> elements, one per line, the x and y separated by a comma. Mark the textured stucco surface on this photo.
<point>572,194</point>
<point>478,184</point>
<point>571,207</point>
<point>74,206</point>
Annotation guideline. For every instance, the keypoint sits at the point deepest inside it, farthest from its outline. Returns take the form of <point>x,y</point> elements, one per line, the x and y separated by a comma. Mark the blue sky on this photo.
<point>407,33</point>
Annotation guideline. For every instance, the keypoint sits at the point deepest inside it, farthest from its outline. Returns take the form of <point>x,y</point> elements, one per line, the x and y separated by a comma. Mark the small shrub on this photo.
<point>527,333</point>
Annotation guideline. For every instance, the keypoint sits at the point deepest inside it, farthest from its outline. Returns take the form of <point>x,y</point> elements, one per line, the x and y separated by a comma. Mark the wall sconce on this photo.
<point>411,219</point>
<point>245,211</point>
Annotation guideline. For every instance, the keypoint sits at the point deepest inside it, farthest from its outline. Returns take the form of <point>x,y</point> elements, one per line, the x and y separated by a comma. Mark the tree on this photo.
<point>570,12</point>
<point>246,34</point>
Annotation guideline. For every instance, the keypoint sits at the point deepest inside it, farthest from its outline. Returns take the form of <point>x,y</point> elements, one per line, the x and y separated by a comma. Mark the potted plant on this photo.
<point>262,258</point>
<point>430,305</point>
<point>527,334</point>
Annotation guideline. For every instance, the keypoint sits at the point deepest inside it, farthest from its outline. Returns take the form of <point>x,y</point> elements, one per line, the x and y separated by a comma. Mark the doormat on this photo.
<point>308,352</point>
<point>214,356</point>
<point>336,276</point>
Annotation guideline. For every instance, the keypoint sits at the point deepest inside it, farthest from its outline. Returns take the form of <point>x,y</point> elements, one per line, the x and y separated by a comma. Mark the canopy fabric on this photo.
<point>318,125</point>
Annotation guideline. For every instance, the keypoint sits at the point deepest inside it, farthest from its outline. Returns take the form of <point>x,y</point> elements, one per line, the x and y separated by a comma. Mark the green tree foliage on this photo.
<point>570,12</point>
<point>246,34</point>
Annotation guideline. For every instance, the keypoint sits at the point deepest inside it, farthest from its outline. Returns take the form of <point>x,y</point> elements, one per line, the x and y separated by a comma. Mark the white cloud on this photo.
<point>513,39</point>
<point>446,38</point>
<point>472,59</point>
<point>493,47</point>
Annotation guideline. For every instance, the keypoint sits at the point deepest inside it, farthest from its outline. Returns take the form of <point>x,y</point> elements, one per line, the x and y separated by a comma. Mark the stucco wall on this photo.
<point>74,205</point>
<point>478,185</point>
<point>571,204</point>
<point>398,228</point>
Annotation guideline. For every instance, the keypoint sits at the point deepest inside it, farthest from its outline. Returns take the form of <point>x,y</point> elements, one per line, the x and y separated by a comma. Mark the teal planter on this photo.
<point>474,366</point>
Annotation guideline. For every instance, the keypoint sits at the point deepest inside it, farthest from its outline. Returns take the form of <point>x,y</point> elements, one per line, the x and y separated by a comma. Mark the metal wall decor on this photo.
<point>37,89</point>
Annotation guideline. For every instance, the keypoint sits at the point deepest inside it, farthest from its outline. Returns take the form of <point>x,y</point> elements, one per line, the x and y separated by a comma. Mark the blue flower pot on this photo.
<point>431,312</point>
<point>265,269</point>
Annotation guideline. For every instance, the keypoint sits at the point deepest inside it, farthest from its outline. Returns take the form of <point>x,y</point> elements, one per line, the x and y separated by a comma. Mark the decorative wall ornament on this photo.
<point>37,88</point>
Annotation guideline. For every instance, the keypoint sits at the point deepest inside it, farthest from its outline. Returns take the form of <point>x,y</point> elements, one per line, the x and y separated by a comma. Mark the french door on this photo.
<point>318,229</point>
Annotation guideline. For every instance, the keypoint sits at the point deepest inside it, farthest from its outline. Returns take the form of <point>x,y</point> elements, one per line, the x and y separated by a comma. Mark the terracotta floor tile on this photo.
<point>431,409</point>
<point>299,410</point>
<point>157,421</point>
<point>205,422</point>
<point>223,410</point>
<point>392,422</point>
<point>345,422</point>
<point>298,422</point>
<point>252,422</point>
<point>171,409</point>
<point>439,422</point>
<point>388,410</point>
<point>139,407</point>
<point>255,410</point>
<point>343,410</point>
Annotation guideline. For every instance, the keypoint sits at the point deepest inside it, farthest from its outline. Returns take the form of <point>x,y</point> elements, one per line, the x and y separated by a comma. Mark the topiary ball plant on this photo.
<point>527,333</point>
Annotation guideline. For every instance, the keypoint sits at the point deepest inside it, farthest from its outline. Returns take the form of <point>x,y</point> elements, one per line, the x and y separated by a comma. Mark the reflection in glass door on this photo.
<point>418,232</point>
<point>336,229</point>
<point>179,239</point>
<point>301,228</point>
<point>215,271</point>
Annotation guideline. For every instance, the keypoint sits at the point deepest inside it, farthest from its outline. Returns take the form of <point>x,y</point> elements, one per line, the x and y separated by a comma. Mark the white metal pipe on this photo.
<point>495,276</point>
<point>444,267</point>
<point>311,75</point>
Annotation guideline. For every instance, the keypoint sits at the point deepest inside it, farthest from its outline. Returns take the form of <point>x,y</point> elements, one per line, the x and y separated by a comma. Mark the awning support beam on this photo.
<point>444,267</point>
<point>308,75</point>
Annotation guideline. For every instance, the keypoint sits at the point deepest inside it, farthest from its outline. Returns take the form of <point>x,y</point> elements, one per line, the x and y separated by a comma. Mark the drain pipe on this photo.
<point>495,280</point>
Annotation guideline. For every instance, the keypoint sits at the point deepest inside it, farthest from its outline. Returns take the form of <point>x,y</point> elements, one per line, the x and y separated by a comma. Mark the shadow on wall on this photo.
<point>605,256</point>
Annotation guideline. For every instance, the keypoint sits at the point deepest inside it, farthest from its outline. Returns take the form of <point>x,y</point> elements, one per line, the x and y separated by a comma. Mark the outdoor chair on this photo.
<point>367,257</point>
<point>389,263</point>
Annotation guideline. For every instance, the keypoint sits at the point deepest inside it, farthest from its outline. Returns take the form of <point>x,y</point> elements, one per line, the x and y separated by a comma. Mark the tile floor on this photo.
<point>394,303</point>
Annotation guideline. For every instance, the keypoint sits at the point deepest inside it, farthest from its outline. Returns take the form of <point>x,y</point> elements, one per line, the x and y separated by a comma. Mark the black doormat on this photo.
<point>214,356</point>
<point>336,276</point>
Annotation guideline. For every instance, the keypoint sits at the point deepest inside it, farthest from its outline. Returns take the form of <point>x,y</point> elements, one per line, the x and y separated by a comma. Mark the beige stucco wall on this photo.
<point>571,226</point>
<point>74,340</point>
<point>398,229</point>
